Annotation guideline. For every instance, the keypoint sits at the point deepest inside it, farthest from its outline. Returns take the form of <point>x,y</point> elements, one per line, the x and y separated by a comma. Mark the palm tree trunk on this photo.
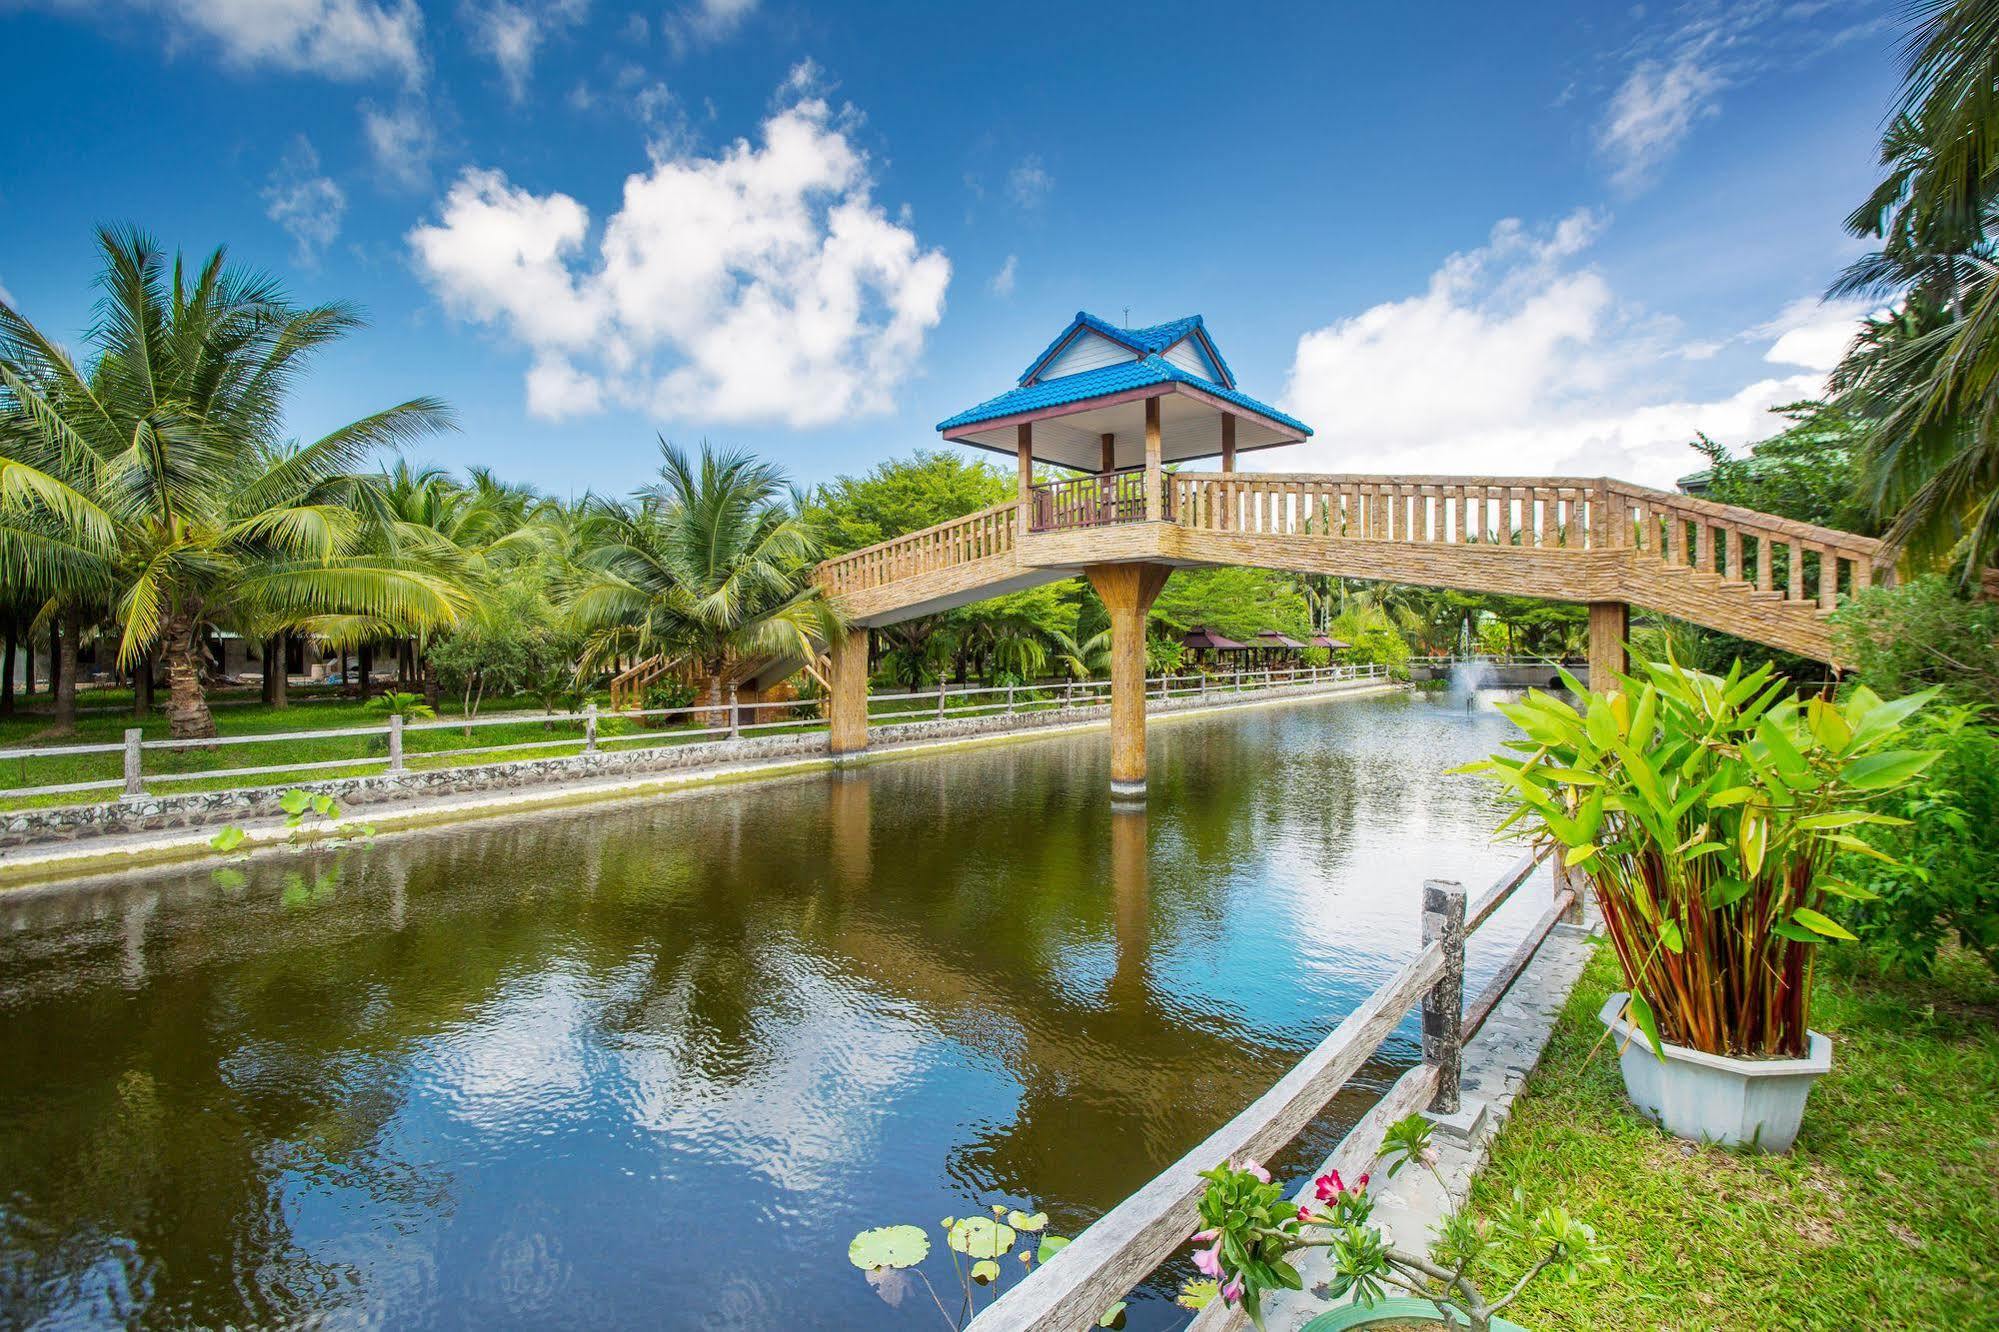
<point>7,669</point>
<point>142,688</point>
<point>63,674</point>
<point>188,717</point>
<point>280,676</point>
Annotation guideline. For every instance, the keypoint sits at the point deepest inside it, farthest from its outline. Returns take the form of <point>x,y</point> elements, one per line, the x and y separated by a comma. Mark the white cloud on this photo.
<point>1813,334</point>
<point>1652,112</point>
<point>308,205</point>
<point>1028,183</point>
<point>512,33</point>
<point>706,21</point>
<point>1002,283</point>
<point>343,39</point>
<point>1518,360</point>
<point>761,284</point>
<point>402,139</point>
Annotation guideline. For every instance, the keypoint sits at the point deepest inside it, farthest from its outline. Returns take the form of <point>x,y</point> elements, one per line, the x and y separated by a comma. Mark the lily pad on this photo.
<point>228,839</point>
<point>985,1271</point>
<point>977,1237</point>
<point>1198,1294</point>
<point>889,1246</point>
<point>1113,1316</point>
<point>1030,1222</point>
<point>1050,1246</point>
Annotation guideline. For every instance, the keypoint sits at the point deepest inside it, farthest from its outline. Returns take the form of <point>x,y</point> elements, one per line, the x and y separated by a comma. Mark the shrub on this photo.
<point>1945,878</point>
<point>1901,639</point>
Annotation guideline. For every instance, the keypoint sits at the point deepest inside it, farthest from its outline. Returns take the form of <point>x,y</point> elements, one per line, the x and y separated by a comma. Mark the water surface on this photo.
<point>654,1064</point>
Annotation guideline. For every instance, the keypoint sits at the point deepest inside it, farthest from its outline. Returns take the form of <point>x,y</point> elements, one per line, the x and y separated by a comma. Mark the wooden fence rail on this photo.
<point>1126,1244</point>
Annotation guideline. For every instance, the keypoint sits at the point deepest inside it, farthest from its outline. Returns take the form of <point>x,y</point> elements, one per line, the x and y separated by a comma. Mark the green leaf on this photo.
<point>980,1237</point>
<point>1113,1316</point>
<point>1648,1023</point>
<point>1197,1294</point>
<point>889,1246</point>
<point>1050,1246</point>
<point>985,1271</point>
<point>1726,892</point>
<point>294,801</point>
<point>1820,923</point>
<point>1734,795</point>
<point>1879,772</point>
<point>1670,937</point>
<point>228,839</point>
<point>1032,1222</point>
<point>1795,933</point>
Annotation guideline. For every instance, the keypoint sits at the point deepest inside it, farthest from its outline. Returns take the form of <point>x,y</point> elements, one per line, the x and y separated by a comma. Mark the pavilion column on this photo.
<point>1609,628</point>
<point>1228,441</point>
<point>1128,591</point>
<point>1155,502</point>
<point>847,718</point>
<point>1024,491</point>
<point>1110,453</point>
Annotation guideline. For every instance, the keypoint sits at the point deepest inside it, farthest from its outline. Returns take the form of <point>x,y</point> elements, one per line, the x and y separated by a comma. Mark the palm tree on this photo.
<point>713,561</point>
<point>158,479</point>
<point>1081,660</point>
<point>1927,377</point>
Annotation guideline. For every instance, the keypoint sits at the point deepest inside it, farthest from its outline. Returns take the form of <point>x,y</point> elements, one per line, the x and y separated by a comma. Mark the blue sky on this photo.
<point>1453,237</point>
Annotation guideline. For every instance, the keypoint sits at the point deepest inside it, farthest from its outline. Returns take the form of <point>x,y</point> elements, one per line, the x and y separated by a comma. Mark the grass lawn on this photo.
<point>1886,1215</point>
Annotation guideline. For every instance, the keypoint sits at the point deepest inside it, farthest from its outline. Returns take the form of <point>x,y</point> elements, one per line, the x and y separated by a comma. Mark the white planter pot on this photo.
<point>1712,1098</point>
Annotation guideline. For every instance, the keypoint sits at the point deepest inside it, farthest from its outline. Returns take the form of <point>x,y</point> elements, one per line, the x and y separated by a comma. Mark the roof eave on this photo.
<point>1298,433</point>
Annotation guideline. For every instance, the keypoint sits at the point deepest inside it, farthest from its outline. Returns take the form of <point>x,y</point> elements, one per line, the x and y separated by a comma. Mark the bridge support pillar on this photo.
<point>1128,591</point>
<point>1609,627</point>
<point>847,709</point>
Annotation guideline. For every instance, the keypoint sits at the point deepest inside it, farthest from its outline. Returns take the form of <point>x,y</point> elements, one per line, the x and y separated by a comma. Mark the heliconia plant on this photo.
<point>1707,812</point>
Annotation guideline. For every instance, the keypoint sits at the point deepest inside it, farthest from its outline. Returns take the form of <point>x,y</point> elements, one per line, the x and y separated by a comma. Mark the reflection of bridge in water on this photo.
<point>1127,402</point>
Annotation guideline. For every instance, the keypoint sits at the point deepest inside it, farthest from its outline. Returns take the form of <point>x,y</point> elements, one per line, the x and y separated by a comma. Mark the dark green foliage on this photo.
<point>1946,880</point>
<point>1920,634</point>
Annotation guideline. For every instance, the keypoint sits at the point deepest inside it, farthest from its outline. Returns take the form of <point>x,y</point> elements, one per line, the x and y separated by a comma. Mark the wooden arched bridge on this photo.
<point>1603,542</point>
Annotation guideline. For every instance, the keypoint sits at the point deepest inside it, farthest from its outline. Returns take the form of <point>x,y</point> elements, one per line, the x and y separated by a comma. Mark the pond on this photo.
<point>655,1063</point>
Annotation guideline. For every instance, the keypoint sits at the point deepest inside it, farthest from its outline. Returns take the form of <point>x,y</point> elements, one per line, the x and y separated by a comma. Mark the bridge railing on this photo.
<point>1789,560</point>
<point>1090,501</point>
<point>1558,513</point>
<point>976,536</point>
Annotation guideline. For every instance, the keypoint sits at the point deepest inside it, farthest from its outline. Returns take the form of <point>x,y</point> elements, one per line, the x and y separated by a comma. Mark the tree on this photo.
<point>904,495</point>
<point>158,481</point>
<point>1925,377</point>
<point>714,560</point>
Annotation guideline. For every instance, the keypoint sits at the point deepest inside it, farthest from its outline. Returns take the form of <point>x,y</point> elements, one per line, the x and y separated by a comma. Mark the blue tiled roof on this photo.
<point>1144,341</point>
<point>1143,373</point>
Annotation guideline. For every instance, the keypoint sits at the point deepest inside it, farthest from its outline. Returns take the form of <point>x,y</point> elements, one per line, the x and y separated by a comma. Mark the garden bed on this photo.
<point>1885,1215</point>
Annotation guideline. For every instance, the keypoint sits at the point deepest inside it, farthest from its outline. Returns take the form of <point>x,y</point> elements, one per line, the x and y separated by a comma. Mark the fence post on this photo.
<point>735,716</point>
<point>940,697</point>
<point>590,728</point>
<point>1444,1005</point>
<point>395,742</point>
<point>1569,876</point>
<point>1009,700</point>
<point>134,786</point>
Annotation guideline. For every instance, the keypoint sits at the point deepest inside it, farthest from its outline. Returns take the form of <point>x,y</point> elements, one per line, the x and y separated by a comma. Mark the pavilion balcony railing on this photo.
<point>1103,500</point>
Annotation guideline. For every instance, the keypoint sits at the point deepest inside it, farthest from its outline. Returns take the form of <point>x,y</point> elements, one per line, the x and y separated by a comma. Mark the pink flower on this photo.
<point>1252,1168</point>
<point>1362,1186</point>
<point>1305,1214</point>
<point>1428,1156</point>
<point>1329,1186</point>
<point>1232,1293</point>
<point>1209,1261</point>
<point>1207,1236</point>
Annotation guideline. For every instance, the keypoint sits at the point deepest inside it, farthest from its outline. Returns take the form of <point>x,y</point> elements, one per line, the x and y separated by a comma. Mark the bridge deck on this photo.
<point>1760,577</point>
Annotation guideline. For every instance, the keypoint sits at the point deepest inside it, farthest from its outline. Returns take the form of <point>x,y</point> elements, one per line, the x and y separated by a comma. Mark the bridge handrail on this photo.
<point>975,536</point>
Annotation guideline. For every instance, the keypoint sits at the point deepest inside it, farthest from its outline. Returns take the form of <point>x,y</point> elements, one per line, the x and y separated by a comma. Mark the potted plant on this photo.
<point>1707,812</point>
<point>1252,1228</point>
